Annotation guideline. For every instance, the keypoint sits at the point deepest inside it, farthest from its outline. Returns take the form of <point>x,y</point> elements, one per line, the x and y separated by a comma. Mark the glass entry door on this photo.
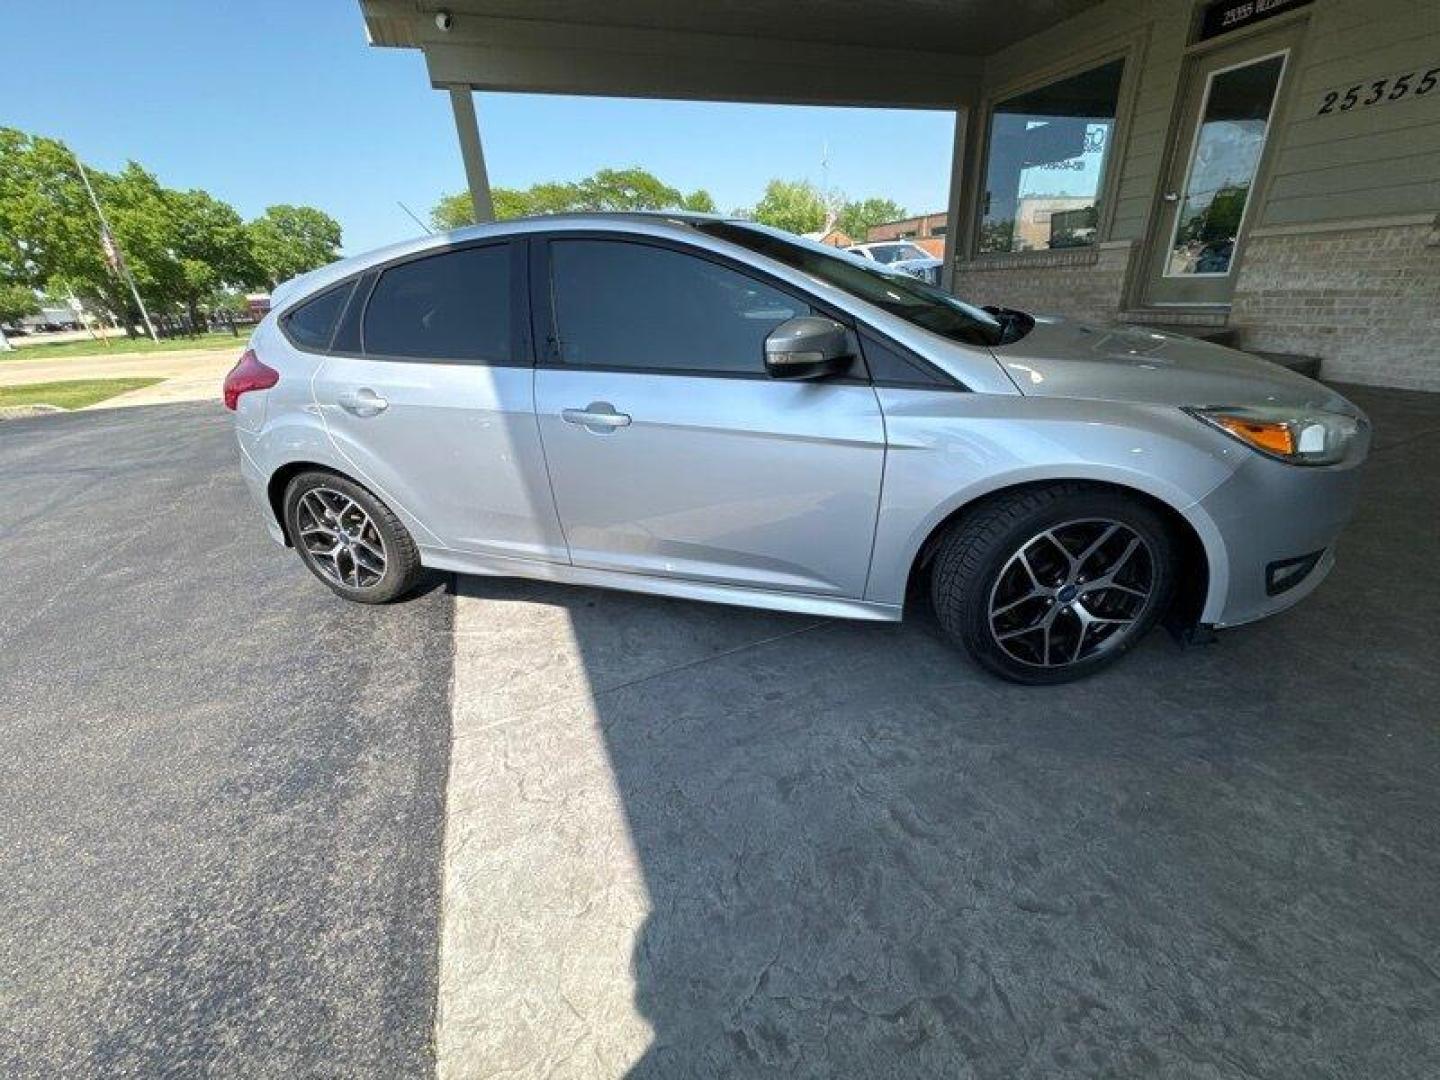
<point>1210,186</point>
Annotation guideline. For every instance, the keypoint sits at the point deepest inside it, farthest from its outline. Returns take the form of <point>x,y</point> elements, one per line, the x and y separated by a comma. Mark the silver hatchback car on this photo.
<point>709,409</point>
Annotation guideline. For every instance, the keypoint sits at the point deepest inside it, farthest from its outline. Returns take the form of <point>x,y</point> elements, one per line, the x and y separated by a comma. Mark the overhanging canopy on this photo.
<point>901,53</point>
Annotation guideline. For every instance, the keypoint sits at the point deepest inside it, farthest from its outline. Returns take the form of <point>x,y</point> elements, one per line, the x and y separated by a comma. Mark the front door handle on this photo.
<point>599,417</point>
<point>362,402</point>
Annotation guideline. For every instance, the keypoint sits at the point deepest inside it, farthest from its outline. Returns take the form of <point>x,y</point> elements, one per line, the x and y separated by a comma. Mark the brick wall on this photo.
<point>1087,283</point>
<point>1365,300</point>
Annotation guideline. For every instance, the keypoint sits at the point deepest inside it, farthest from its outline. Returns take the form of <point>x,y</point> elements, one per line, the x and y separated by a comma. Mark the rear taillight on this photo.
<point>248,374</point>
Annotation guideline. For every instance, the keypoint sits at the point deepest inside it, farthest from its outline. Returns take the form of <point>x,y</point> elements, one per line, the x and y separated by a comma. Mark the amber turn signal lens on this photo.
<point>1273,437</point>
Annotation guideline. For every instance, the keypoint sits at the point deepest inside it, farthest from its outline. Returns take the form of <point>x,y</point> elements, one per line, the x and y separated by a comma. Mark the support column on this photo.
<point>954,233</point>
<point>462,101</point>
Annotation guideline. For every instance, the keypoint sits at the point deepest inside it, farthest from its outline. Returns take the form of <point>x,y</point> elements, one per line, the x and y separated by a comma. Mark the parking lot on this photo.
<point>220,800</point>
<point>686,840</point>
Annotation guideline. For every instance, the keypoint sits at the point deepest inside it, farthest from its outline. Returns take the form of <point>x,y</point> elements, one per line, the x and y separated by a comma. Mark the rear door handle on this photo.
<point>362,402</point>
<point>599,416</point>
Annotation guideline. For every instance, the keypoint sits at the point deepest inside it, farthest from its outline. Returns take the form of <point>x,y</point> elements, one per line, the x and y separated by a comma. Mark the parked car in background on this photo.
<point>901,255</point>
<point>710,409</point>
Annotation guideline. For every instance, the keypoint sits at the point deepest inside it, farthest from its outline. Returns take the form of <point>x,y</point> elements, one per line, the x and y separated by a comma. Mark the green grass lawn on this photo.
<point>221,339</point>
<point>72,394</point>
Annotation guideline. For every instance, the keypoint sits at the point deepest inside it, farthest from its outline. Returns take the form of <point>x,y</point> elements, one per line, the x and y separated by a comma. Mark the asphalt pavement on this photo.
<point>222,788</point>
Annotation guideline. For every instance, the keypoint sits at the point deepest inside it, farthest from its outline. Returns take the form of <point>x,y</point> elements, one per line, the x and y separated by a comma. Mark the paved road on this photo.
<point>220,796</point>
<point>686,840</point>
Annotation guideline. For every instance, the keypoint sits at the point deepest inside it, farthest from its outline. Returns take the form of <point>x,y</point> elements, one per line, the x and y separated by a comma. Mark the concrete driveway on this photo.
<point>695,841</point>
<point>684,840</point>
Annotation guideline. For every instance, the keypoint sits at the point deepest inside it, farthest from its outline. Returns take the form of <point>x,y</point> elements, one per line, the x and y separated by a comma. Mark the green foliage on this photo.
<point>1219,219</point>
<point>794,205</point>
<point>17,301</point>
<point>47,228</point>
<point>857,218</point>
<point>289,240</point>
<point>71,394</point>
<point>606,190</point>
<point>182,247</point>
<point>454,211</point>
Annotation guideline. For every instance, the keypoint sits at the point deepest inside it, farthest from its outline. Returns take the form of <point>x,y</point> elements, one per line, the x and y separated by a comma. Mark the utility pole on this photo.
<point>112,249</point>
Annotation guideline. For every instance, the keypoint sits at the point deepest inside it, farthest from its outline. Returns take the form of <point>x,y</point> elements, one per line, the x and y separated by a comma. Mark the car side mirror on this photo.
<point>808,347</point>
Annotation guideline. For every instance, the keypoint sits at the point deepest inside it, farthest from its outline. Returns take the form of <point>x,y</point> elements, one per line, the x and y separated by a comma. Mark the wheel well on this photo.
<point>1191,583</point>
<point>280,480</point>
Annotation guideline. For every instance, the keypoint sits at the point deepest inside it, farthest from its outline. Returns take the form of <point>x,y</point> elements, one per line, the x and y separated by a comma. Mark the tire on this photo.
<point>377,560</point>
<point>1043,585</point>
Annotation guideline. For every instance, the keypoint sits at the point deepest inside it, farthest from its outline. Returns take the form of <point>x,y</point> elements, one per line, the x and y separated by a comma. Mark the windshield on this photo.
<point>904,297</point>
<point>889,253</point>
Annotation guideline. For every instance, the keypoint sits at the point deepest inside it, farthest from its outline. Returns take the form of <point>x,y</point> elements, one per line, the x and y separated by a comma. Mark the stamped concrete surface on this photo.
<point>692,841</point>
<point>220,793</point>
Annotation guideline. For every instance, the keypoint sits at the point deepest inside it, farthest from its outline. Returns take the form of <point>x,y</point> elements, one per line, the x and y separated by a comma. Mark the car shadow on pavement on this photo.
<point>862,856</point>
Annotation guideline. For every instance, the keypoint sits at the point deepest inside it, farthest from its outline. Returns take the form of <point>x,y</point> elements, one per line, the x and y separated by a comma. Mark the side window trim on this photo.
<point>943,379</point>
<point>283,322</point>
<point>352,317</point>
<point>542,304</point>
<point>521,345</point>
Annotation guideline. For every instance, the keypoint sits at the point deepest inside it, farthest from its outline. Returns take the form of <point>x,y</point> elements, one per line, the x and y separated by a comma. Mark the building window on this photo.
<point>1047,158</point>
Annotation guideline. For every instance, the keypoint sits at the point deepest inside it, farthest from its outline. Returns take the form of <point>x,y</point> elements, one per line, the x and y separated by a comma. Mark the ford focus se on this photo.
<point>709,409</point>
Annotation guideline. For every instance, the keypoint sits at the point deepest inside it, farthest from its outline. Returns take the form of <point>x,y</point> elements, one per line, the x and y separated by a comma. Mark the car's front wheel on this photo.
<point>349,539</point>
<point>1051,583</point>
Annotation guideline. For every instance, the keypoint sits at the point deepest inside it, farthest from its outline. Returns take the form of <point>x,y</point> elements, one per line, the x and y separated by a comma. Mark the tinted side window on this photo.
<point>634,306</point>
<point>454,306</point>
<point>311,324</point>
<point>890,365</point>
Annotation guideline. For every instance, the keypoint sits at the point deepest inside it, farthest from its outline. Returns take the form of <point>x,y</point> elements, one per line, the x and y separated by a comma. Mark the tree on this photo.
<point>606,189</point>
<point>857,218</point>
<point>289,240</point>
<point>794,205</point>
<point>48,229</point>
<point>17,301</point>
<point>455,211</point>
<point>699,201</point>
<point>180,246</point>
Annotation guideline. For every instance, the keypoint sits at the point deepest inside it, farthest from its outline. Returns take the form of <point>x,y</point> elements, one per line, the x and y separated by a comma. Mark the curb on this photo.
<point>20,412</point>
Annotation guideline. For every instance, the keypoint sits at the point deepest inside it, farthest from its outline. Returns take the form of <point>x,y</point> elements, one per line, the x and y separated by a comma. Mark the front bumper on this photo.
<point>1267,513</point>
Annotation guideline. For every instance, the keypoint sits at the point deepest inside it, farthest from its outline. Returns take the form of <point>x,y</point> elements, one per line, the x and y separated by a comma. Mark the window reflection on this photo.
<point>1048,149</point>
<point>1222,168</point>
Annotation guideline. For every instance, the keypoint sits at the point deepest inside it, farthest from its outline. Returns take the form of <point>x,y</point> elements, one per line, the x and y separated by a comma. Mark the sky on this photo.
<point>269,101</point>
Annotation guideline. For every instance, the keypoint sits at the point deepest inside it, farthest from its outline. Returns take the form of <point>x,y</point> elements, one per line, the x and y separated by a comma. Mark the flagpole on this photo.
<point>112,249</point>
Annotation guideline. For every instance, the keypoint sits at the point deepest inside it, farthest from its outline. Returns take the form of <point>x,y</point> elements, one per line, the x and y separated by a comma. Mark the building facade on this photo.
<point>1268,170</point>
<point>1272,169</point>
<point>927,230</point>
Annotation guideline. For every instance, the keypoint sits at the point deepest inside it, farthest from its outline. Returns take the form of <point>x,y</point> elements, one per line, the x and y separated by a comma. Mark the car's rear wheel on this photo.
<point>349,539</point>
<point>1049,584</point>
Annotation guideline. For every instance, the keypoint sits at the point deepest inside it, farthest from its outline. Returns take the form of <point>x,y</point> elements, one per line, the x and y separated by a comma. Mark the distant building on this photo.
<point>1045,222</point>
<point>55,315</point>
<point>927,230</point>
<point>832,237</point>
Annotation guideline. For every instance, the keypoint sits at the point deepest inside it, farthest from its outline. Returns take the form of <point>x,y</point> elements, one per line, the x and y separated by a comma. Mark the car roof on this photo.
<point>679,221</point>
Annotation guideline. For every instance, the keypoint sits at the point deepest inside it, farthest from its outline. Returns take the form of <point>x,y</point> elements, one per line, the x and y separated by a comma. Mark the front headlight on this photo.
<point>1298,435</point>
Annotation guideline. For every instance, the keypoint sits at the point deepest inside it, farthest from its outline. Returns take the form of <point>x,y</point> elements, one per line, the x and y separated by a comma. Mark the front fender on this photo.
<point>946,450</point>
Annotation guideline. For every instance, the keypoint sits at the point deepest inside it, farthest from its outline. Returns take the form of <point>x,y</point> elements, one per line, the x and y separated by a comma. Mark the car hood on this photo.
<point>1066,358</point>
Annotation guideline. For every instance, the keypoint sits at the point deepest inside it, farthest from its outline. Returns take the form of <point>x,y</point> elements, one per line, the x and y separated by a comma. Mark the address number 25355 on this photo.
<point>1379,91</point>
